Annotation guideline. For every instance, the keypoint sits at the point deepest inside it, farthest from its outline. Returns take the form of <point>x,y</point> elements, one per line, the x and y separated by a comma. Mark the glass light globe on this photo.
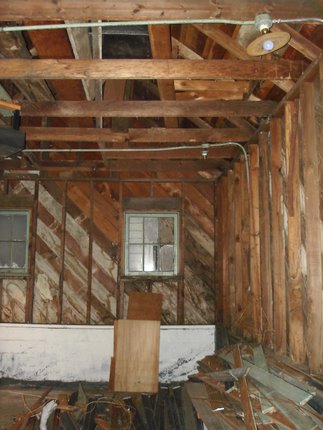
<point>268,45</point>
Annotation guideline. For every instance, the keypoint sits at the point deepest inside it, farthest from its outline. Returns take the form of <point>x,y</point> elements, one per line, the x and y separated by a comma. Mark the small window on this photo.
<point>151,246</point>
<point>14,232</point>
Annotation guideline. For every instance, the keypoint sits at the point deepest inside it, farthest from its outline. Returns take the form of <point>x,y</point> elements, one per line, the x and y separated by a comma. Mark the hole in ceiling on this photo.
<point>126,43</point>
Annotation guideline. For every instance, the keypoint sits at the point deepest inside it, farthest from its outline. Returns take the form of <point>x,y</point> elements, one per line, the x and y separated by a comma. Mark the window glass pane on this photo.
<point>19,227</point>
<point>135,258</point>
<point>18,255</point>
<point>166,228</point>
<point>150,259</point>
<point>166,258</point>
<point>5,254</point>
<point>135,231</point>
<point>5,227</point>
<point>151,230</point>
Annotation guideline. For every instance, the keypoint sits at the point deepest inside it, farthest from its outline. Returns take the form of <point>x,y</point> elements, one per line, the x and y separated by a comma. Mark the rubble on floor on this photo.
<point>236,388</point>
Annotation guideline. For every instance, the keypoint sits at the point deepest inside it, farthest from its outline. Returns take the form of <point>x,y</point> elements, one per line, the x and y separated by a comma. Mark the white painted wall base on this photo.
<point>82,353</point>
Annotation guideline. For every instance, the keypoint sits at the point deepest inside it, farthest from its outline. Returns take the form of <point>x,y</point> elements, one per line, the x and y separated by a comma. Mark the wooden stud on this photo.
<point>231,248</point>
<point>277,237</point>
<point>310,154</point>
<point>294,244</point>
<point>181,282</point>
<point>265,257</point>
<point>62,254</point>
<point>90,257</point>
<point>238,280</point>
<point>32,258</point>
<point>255,244</point>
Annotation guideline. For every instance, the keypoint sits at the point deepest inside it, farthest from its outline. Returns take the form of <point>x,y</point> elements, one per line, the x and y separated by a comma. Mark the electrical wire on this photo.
<point>202,147</point>
<point>150,22</point>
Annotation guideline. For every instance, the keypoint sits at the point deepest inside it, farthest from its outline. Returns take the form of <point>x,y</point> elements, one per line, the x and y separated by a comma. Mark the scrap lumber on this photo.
<point>262,376</point>
<point>244,390</point>
<point>199,397</point>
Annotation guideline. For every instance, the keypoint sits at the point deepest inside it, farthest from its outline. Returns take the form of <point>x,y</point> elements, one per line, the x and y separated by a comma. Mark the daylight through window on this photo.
<point>151,244</point>
<point>14,226</point>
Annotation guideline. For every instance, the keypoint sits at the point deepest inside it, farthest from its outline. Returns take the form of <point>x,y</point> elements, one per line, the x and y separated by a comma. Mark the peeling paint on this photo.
<point>83,353</point>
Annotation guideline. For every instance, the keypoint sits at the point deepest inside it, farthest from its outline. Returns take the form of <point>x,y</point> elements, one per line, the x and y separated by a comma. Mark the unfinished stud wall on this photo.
<point>75,253</point>
<point>269,264</point>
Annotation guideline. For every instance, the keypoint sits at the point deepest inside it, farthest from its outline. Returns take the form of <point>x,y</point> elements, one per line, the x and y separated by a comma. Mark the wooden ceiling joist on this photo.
<point>147,135</point>
<point>150,69</point>
<point>157,10</point>
<point>149,109</point>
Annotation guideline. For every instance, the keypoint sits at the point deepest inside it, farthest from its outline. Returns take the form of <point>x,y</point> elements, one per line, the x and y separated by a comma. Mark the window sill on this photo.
<point>11,275</point>
<point>153,278</point>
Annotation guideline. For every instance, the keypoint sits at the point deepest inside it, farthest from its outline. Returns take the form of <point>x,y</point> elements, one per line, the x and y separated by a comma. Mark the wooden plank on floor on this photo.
<point>137,356</point>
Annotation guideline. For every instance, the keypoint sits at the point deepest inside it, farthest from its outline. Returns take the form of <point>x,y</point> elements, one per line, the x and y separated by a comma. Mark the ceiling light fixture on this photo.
<point>267,42</point>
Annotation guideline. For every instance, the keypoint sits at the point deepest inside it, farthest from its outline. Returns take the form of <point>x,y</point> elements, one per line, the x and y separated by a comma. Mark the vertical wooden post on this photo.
<point>255,243</point>
<point>245,244</point>
<point>238,297</point>
<point>225,252</point>
<point>62,256</point>
<point>265,257</point>
<point>180,283</point>
<point>295,281</point>
<point>216,256</point>
<point>121,268</point>
<point>277,237</point>
<point>90,257</point>
<point>311,165</point>
<point>231,248</point>
<point>32,258</point>
<point>219,250</point>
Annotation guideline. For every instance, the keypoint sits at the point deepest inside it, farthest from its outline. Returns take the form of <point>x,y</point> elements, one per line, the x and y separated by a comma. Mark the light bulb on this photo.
<point>268,45</point>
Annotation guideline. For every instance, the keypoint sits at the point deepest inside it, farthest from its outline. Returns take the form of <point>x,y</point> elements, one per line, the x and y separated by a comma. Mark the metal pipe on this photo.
<point>203,147</point>
<point>148,22</point>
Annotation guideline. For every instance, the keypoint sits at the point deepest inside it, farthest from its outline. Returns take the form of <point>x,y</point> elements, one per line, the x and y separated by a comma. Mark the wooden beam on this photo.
<point>149,109</point>
<point>211,85</point>
<point>146,135</point>
<point>150,69</point>
<point>160,42</point>
<point>234,48</point>
<point>11,10</point>
<point>299,42</point>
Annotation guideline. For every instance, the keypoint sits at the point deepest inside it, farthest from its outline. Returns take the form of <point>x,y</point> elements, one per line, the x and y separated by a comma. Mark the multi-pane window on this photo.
<point>151,245</point>
<point>14,227</point>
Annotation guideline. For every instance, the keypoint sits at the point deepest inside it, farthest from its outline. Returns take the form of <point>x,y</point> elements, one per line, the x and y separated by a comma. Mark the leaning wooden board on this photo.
<point>136,355</point>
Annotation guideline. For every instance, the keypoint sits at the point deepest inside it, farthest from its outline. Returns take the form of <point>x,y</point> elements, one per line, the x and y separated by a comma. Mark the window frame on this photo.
<point>10,271</point>
<point>175,215</point>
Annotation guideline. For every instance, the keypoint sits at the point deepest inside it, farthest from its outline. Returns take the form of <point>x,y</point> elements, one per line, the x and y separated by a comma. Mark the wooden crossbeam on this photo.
<point>148,109</point>
<point>135,135</point>
<point>150,69</point>
<point>11,10</point>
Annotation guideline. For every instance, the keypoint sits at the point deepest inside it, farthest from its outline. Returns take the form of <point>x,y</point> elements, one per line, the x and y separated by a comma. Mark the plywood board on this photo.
<point>137,356</point>
<point>144,306</point>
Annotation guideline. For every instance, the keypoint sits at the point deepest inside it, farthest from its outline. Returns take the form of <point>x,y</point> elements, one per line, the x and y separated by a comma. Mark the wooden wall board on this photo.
<point>137,356</point>
<point>144,306</point>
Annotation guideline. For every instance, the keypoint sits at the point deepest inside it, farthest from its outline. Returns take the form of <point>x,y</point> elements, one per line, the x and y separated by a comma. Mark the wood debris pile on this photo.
<point>243,389</point>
